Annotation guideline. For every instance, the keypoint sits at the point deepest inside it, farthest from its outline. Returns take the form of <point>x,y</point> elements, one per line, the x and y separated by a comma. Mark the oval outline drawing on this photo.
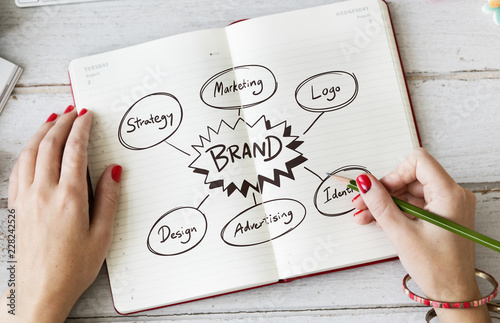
<point>332,108</point>
<point>256,205</point>
<point>126,145</point>
<point>166,214</point>
<point>338,170</point>
<point>236,107</point>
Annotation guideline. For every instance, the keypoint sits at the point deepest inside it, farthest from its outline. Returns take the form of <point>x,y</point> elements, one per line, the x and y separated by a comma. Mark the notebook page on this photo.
<point>339,107</point>
<point>151,116</point>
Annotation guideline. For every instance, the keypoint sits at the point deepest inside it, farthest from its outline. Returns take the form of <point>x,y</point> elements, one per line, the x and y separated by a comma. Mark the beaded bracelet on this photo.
<point>469,304</point>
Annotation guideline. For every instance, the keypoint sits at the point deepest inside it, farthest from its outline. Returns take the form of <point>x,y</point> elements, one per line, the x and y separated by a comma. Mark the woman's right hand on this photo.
<point>441,263</point>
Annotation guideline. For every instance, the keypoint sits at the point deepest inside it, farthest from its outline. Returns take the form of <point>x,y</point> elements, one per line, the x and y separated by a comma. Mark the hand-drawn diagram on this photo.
<point>270,150</point>
<point>149,121</point>
<point>334,199</point>
<point>244,230</point>
<point>325,92</point>
<point>252,84</point>
<point>177,231</point>
<point>242,156</point>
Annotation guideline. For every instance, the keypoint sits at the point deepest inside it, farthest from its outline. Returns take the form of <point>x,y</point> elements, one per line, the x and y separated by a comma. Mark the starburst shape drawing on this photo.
<point>246,156</point>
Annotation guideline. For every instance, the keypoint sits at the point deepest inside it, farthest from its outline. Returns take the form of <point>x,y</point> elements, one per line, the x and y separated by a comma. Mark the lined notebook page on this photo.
<point>167,245</point>
<point>339,92</point>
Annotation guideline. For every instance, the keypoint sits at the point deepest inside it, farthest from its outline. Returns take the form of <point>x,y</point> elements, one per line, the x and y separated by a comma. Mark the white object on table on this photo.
<point>34,3</point>
<point>9,74</point>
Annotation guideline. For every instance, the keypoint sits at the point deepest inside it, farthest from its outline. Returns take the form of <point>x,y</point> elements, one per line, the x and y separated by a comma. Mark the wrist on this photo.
<point>462,293</point>
<point>45,306</point>
<point>30,307</point>
<point>456,290</point>
<point>478,314</point>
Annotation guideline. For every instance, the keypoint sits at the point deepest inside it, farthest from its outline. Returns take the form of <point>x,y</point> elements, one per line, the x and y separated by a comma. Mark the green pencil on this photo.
<point>432,218</point>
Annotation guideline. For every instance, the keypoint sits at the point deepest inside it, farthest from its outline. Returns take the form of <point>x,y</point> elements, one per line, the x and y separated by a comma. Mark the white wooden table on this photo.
<point>451,54</point>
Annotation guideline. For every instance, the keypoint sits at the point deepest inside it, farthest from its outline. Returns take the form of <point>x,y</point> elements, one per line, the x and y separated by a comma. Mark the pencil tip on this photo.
<point>341,179</point>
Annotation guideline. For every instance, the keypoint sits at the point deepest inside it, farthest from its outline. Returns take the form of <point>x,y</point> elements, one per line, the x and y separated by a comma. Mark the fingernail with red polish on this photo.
<point>357,213</point>
<point>116,173</point>
<point>82,112</point>
<point>364,183</point>
<point>356,197</point>
<point>52,117</point>
<point>69,109</point>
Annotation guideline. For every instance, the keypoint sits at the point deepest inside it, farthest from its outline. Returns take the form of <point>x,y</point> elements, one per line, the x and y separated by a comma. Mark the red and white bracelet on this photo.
<point>468,304</point>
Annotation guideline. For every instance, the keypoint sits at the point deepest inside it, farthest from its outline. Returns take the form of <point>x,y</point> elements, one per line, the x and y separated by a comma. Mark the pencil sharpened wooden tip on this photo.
<point>343,180</point>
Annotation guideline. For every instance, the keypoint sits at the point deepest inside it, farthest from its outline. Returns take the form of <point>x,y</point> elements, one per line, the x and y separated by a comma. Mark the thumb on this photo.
<point>382,207</point>
<point>106,201</point>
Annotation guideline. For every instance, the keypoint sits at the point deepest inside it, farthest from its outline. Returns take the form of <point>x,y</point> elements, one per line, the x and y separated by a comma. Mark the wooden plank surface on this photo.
<point>435,37</point>
<point>374,315</point>
<point>450,53</point>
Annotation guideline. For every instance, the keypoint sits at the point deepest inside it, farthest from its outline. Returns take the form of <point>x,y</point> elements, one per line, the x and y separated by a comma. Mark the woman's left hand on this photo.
<point>60,248</point>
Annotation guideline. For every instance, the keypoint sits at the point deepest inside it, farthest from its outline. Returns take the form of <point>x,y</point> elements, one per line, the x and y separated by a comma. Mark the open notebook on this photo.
<point>225,136</point>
